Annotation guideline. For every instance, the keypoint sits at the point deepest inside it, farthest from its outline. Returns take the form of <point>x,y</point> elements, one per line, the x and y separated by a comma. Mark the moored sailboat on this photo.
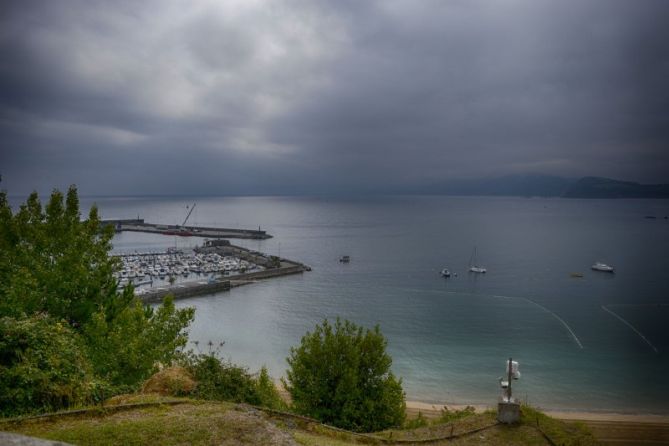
<point>473,267</point>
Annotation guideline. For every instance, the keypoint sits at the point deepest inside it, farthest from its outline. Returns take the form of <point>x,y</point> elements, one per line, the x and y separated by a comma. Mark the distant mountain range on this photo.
<point>550,186</point>
<point>594,187</point>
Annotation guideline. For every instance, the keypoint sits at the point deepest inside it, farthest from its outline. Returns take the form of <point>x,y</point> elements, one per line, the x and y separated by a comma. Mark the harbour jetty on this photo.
<point>184,290</point>
<point>139,225</point>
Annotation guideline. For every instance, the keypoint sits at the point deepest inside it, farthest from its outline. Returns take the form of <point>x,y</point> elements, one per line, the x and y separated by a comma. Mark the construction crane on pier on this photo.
<point>187,216</point>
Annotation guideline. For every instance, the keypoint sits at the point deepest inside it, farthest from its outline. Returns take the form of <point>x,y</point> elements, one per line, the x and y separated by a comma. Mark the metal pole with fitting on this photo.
<point>508,410</point>
<point>508,389</point>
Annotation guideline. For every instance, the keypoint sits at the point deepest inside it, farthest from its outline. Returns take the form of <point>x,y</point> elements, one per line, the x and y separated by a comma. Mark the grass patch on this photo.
<point>309,439</point>
<point>439,429</point>
<point>560,432</point>
<point>445,416</point>
<point>208,422</point>
<point>173,425</point>
<point>144,398</point>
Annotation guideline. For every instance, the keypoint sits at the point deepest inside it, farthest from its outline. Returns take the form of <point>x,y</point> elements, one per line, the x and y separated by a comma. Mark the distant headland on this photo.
<point>549,186</point>
<point>594,187</point>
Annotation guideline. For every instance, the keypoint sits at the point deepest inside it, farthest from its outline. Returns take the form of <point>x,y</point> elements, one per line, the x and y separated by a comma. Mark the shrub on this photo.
<point>126,347</point>
<point>218,380</point>
<point>42,366</point>
<point>267,393</point>
<point>341,375</point>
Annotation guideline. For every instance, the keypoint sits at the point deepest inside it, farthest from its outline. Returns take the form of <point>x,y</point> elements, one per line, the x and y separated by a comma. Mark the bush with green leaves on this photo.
<point>341,375</point>
<point>53,263</point>
<point>43,366</point>
<point>266,391</point>
<point>224,381</point>
<point>126,347</point>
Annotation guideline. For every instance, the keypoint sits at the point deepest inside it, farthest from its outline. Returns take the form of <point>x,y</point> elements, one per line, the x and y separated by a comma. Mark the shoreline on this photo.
<point>433,410</point>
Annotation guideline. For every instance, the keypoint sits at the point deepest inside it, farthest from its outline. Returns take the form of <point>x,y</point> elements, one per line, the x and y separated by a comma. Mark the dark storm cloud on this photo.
<point>300,96</point>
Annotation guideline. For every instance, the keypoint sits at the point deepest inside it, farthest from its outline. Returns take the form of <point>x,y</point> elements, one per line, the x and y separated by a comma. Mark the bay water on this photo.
<point>599,342</point>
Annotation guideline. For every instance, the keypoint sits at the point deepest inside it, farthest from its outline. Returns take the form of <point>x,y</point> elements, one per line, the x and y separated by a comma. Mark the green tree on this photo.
<point>341,375</point>
<point>52,261</point>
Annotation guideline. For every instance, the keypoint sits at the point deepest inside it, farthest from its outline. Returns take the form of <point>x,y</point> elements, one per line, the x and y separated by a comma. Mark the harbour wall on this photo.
<point>268,273</point>
<point>139,225</point>
<point>182,291</point>
<point>191,289</point>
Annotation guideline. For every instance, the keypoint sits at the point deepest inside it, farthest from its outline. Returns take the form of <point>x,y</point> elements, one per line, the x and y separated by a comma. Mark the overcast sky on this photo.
<point>248,97</point>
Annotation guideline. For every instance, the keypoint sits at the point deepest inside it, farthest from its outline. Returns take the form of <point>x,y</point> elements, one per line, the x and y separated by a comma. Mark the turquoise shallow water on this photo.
<point>449,338</point>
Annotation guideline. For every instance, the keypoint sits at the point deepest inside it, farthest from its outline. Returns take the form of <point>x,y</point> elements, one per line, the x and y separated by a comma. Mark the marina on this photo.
<point>215,266</point>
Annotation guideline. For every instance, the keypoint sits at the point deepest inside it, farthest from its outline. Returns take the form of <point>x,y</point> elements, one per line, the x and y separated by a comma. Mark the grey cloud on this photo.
<point>297,96</point>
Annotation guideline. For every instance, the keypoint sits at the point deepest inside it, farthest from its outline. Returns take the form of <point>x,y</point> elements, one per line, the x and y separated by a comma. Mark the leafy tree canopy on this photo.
<point>55,269</point>
<point>341,375</point>
<point>52,261</point>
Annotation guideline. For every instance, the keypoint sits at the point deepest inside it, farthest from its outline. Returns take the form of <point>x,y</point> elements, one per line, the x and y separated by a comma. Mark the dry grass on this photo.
<point>186,424</point>
<point>174,381</point>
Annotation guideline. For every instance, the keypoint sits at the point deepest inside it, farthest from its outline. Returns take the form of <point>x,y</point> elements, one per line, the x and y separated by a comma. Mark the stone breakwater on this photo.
<point>139,225</point>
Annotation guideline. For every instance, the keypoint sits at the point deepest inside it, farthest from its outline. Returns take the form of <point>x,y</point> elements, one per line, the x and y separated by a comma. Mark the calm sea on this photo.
<point>599,342</point>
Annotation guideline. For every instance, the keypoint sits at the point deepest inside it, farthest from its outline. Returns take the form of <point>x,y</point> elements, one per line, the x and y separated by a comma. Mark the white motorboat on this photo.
<point>445,272</point>
<point>599,266</point>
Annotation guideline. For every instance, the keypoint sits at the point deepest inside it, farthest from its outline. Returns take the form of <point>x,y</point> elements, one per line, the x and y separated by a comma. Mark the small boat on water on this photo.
<point>599,266</point>
<point>445,272</point>
<point>345,259</point>
<point>473,267</point>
